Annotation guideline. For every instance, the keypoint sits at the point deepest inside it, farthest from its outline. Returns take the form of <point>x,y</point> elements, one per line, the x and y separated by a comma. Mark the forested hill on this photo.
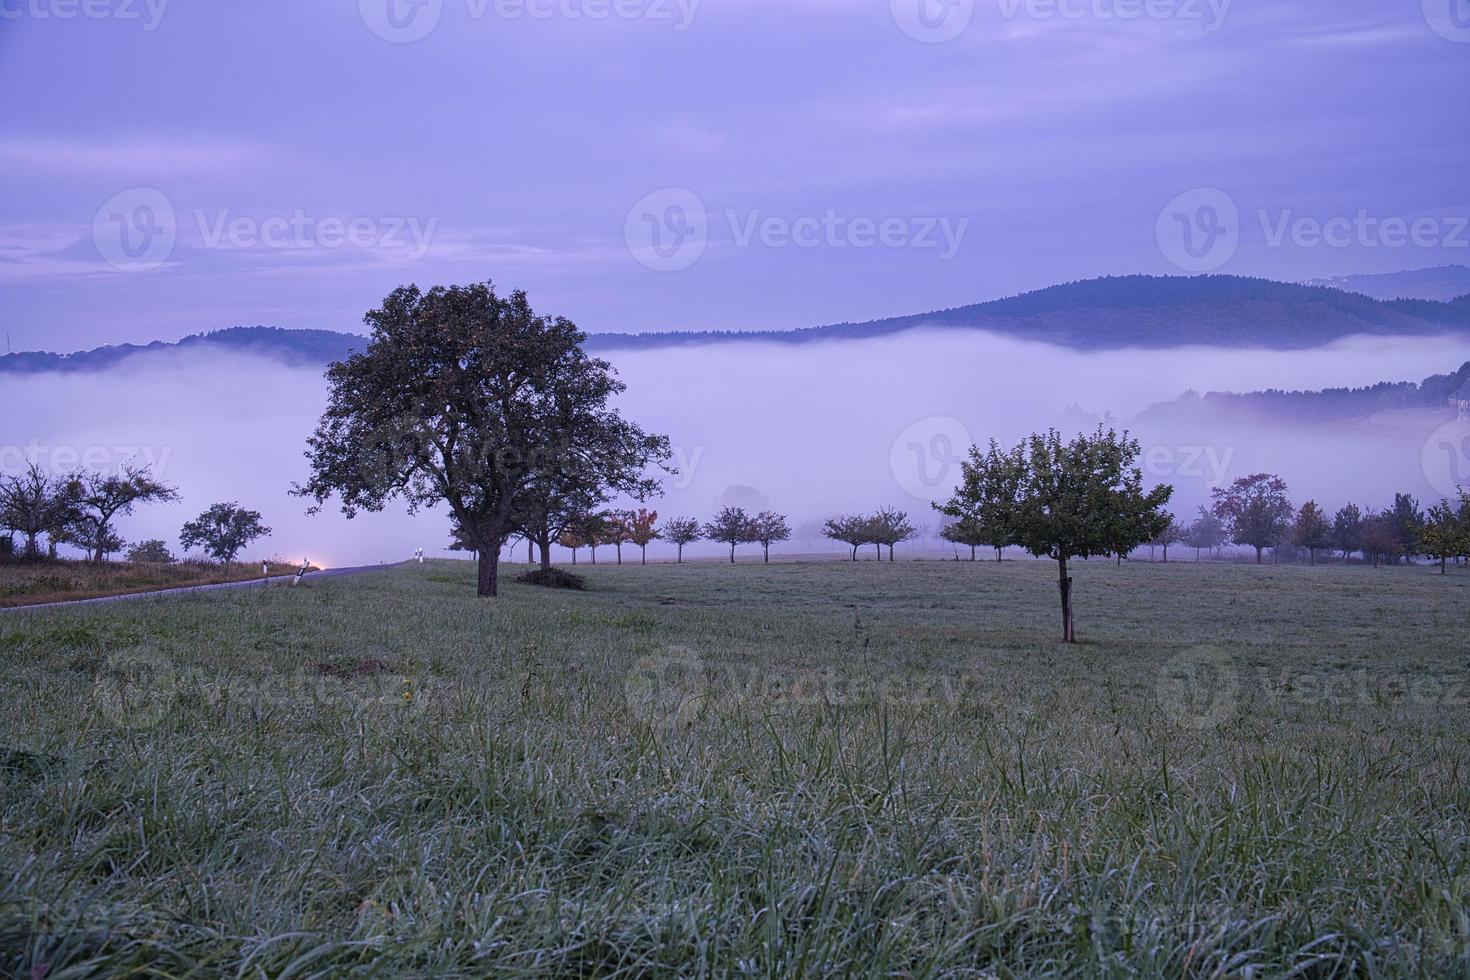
<point>1328,405</point>
<point>1095,314</point>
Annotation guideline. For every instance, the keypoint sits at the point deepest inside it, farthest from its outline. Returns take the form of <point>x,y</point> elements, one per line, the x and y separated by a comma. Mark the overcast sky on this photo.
<point>174,166</point>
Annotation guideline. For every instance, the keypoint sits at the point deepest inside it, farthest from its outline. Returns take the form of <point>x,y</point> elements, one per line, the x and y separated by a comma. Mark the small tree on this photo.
<point>641,530</point>
<point>731,526</point>
<point>1445,532</point>
<point>1206,533</point>
<point>1406,520</point>
<point>1311,530</point>
<point>33,504</point>
<point>767,528</point>
<point>1379,542</point>
<point>680,531</point>
<point>1256,511</point>
<point>151,552</point>
<point>617,530</point>
<point>1082,498</point>
<point>573,542</point>
<point>223,530</point>
<point>891,526</point>
<point>854,530</point>
<point>986,502</point>
<point>966,533</point>
<point>96,499</point>
<point>1170,533</point>
<point>1347,530</point>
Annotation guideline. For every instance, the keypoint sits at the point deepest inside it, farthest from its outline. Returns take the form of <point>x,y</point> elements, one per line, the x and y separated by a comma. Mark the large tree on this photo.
<point>1077,499</point>
<point>1256,511</point>
<point>95,499</point>
<point>470,399</point>
<point>680,531</point>
<point>1407,520</point>
<point>223,530</point>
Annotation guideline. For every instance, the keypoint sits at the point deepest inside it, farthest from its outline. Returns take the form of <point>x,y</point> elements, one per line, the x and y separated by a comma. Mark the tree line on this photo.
<point>80,509</point>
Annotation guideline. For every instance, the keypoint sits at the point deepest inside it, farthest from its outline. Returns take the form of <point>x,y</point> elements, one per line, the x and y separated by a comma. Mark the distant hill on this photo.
<point>295,347</point>
<point>1095,314</point>
<point>1442,283</point>
<point>1327,405</point>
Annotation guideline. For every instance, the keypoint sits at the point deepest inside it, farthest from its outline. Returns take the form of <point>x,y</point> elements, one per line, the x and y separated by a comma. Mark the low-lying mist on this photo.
<point>809,430</point>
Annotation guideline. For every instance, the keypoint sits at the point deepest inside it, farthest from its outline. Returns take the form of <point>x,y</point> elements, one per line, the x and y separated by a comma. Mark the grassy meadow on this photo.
<point>796,769</point>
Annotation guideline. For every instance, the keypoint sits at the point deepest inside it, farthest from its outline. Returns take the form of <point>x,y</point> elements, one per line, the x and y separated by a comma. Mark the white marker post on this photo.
<point>305,564</point>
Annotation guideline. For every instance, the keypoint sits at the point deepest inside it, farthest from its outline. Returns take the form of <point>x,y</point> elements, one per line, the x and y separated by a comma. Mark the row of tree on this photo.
<point>1256,511</point>
<point>79,509</point>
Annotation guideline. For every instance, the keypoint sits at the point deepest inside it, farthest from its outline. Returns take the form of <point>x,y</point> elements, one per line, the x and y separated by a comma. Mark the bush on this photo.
<point>553,578</point>
<point>152,552</point>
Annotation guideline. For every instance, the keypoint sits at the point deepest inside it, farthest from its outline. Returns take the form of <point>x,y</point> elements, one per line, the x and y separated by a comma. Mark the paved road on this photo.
<point>193,589</point>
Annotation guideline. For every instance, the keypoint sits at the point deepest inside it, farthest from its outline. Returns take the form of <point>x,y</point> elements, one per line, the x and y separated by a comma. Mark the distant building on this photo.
<point>1460,400</point>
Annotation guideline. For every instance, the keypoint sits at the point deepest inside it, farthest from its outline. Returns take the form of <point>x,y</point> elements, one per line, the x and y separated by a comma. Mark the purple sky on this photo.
<point>175,166</point>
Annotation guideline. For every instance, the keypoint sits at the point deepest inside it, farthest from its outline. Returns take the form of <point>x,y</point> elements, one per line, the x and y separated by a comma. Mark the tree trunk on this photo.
<point>998,552</point>
<point>574,556</point>
<point>972,552</point>
<point>766,552</point>
<point>1259,549</point>
<point>681,554</point>
<point>489,573</point>
<point>878,550</point>
<point>593,549</point>
<point>732,552</point>
<point>619,547</point>
<point>1442,563</point>
<point>545,545</point>
<point>854,552</point>
<point>1064,582</point>
<point>643,559</point>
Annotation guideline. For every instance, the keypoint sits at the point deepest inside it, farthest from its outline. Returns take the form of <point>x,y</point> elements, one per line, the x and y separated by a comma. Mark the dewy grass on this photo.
<point>803,769</point>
